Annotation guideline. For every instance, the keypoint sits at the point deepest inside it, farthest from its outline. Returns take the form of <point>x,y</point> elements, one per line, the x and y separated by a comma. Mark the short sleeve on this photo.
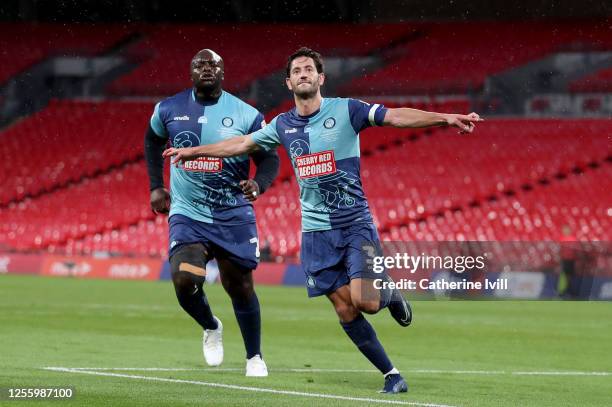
<point>364,115</point>
<point>157,124</point>
<point>267,137</point>
<point>257,124</point>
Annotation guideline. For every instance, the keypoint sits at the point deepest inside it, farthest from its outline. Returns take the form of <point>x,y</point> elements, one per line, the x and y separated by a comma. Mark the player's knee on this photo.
<point>241,291</point>
<point>187,267</point>
<point>184,282</point>
<point>238,284</point>
<point>369,307</point>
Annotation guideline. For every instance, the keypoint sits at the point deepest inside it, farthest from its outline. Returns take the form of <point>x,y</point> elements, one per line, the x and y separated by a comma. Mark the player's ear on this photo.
<point>288,83</point>
<point>321,78</point>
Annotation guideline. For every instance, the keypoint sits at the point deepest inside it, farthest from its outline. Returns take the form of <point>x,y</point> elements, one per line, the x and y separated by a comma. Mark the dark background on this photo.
<point>304,11</point>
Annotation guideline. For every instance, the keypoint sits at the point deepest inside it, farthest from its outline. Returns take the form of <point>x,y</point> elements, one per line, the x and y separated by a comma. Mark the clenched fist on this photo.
<point>160,201</point>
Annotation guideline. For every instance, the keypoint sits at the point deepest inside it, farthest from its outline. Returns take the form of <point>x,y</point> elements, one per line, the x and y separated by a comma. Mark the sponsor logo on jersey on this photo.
<point>179,118</point>
<point>227,121</point>
<point>316,164</point>
<point>204,164</point>
<point>186,139</point>
<point>291,131</point>
<point>202,120</point>
<point>329,123</point>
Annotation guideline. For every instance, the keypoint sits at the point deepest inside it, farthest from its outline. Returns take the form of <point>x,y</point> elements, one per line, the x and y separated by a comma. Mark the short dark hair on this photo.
<point>308,53</point>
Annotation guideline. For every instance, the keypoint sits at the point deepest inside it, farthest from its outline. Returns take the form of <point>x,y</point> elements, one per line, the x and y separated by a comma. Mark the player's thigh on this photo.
<point>343,304</point>
<point>237,279</point>
<point>363,244</point>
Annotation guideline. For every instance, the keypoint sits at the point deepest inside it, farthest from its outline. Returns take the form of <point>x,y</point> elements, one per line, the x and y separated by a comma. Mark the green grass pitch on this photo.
<point>457,353</point>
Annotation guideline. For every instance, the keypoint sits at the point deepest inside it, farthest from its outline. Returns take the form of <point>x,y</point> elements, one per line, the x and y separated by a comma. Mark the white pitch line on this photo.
<point>245,388</point>
<point>513,373</point>
<point>218,369</point>
<point>563,373</point>
<point>317,370</point>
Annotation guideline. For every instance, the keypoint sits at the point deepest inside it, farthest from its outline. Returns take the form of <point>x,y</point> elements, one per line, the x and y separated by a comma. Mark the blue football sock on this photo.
<point>249,319</point>
<point>194,302</point>
<point>363,335</point>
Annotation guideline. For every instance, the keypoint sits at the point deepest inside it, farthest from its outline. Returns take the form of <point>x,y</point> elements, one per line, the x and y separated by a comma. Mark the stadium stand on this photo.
<point>445,170</point>
<point>535,215</point>
<point>147,237</point>
<point>421,185</point>
<point>76,181</point>
<point>67,141</point>
<point>418,178</point>
<point>42,40</point>
<point>94,205</point>
<point>167,49</point>
<point>457,57</point>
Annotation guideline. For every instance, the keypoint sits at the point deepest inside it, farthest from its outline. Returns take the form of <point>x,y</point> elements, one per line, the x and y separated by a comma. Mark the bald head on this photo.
<point>208,54</point>
<point>207,71</point>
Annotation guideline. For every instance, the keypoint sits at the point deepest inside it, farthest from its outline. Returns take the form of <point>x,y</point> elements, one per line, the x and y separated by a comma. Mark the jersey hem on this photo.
<point>343,225</point>
<point>210,221</point>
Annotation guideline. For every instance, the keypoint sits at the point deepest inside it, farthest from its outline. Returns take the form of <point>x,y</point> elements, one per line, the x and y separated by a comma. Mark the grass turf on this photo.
<point>95,323</point>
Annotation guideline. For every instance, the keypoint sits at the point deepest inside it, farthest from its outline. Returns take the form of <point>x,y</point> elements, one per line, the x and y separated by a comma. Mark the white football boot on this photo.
<point>256,367</point>
<point>212,345</point>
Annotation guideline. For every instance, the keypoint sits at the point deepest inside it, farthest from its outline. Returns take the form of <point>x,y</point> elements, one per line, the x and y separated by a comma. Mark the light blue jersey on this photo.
<point>324,151</point>
<point>207,189</point>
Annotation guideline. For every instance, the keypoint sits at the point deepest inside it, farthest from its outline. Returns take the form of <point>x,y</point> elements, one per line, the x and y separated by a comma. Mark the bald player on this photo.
<point>210,203</point>
<point>321,136</point>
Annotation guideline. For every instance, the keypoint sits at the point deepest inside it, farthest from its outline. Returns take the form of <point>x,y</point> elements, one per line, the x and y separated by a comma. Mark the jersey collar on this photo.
<point>313,114</point>
<point>206,102</point>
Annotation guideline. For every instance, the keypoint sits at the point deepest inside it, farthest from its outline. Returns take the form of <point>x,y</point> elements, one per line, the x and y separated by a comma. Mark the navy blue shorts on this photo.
<point>332,258</point>
<point>237,243</point>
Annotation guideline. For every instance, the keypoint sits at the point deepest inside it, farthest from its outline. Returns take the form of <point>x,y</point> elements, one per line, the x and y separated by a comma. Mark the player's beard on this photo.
<point>308,93</point>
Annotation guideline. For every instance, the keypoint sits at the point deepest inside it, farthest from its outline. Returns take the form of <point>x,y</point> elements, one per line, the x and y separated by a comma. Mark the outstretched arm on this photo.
<point>414,118</point>
<point>227,148</point>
